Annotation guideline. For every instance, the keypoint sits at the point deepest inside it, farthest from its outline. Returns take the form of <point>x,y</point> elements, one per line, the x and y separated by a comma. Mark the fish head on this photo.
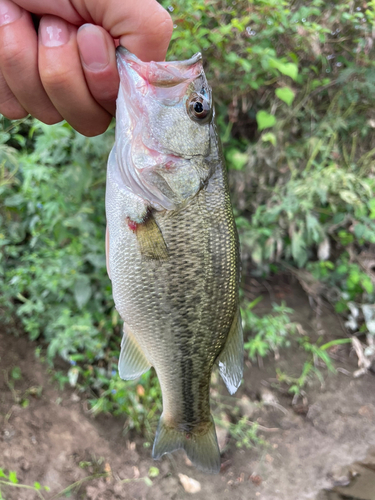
<point>166,140</point>
<point>169,104</point>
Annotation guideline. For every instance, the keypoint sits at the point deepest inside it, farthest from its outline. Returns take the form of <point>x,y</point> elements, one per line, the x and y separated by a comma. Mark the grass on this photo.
<point>9,479</point>
<point>271,332</point>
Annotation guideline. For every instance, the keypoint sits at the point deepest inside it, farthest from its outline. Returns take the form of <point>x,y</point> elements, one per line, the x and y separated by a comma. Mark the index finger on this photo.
<point>144,27</point>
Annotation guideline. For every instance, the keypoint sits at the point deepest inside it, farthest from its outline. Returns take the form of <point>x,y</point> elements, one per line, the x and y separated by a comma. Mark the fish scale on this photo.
<point>174,269</point>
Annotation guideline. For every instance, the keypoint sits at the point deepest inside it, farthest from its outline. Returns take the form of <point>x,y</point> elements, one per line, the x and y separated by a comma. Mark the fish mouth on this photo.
<point>188,62</point>
<point>164,74</point>
<point>122,52</point>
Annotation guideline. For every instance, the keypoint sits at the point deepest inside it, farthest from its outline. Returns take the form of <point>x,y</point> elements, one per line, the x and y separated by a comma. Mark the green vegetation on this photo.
<point>295,96</point>
<point>269,332</point>
<point>10,480</point>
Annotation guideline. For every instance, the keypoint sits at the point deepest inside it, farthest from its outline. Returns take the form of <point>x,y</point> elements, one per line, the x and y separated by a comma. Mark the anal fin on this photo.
<point>132,363</point>
<point>150,240</point>
<point>230,361</point>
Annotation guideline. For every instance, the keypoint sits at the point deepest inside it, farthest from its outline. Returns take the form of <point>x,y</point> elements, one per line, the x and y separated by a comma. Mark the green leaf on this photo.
<point>4,137</point>
<point>286,94</point>
<point>82,290</point>
<point>245,64</point>
<point>372,208</point>
<point>236,159</point>
<point>349,197</point>
<point>37,486</point>
<point>269,137</point>
<point>265,120</point>
<point>359,230</point>
<point>14,201</point>
<point>16,373</point>
<point>13,477</point>
<point>255,302</point>
<point>2,474</point>
<point>289,69</point>
<point>153,472</point>
<point>367,284</point>
<point>148,481</point>
<point>299,248</point>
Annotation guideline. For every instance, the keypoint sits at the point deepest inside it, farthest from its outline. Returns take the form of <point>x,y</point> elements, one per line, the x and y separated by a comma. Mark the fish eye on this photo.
<point>198,108</point>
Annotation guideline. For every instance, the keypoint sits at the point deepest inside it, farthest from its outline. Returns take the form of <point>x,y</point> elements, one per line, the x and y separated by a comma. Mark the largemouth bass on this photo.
<point>172,248</point>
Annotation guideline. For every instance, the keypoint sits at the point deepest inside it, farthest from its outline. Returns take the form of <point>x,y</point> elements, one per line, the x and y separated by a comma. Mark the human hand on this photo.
<point>68,69</point>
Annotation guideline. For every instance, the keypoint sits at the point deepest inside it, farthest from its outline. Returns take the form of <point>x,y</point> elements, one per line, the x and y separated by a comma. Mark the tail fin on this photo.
<point>201,449</point>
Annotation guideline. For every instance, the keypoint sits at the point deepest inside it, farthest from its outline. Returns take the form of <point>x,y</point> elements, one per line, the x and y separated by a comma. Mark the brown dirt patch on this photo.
<point>56,441</point>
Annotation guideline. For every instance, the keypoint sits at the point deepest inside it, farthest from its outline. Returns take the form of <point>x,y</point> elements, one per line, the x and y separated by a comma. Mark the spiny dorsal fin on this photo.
<point>230,361</point>
<point>150,240</point>
<point>132,363</point>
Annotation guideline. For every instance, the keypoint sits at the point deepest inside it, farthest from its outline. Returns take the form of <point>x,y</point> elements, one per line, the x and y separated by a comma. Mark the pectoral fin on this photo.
<point>132,362</point>
<point>150,240</point>
<point>230,361</point>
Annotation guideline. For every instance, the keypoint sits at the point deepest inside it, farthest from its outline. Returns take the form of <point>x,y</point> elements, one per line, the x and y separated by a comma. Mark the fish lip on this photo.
<point>188,62</point>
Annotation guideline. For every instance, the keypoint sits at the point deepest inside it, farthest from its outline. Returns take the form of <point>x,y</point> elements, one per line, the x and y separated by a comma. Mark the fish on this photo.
<point>172,248</point>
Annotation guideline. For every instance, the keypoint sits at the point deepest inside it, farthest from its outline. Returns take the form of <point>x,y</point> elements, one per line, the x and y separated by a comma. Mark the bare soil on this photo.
<point>323,441</point>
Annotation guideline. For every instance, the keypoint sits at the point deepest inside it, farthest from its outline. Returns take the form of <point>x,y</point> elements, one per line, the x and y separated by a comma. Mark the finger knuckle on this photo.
<point>13,113</point>
<point>11,56</point>
<point>162,26</point>
<point>108,95</point>
<point>54,79</point>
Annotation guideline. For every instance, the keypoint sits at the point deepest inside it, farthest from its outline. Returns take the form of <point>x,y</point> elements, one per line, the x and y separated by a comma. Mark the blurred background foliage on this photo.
<point>294,85</point>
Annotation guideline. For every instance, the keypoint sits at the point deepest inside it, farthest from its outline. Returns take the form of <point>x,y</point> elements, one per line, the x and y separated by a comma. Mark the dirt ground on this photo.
<point>325,441</point>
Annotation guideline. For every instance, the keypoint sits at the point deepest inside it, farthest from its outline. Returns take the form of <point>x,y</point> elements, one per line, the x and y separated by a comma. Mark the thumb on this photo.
<point>144,27</point>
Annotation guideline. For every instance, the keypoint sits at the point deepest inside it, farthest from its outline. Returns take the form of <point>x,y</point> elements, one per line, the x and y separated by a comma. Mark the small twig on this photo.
<point>8,415</point>
<point>338,41</point>
<point>363,362</point>
<point>11,388</point>
<point>269,290</point>
<point>262,428</point>
<point>276,405</point>
<point>345,372</point>
<point>79,483</point>
<point>260,361</point>
<point>133,480</point>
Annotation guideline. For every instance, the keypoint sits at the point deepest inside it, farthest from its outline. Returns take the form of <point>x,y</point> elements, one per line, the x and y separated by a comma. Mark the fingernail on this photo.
<point>53,31</point>
<point>9,12</point>
<point>92,47</point>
